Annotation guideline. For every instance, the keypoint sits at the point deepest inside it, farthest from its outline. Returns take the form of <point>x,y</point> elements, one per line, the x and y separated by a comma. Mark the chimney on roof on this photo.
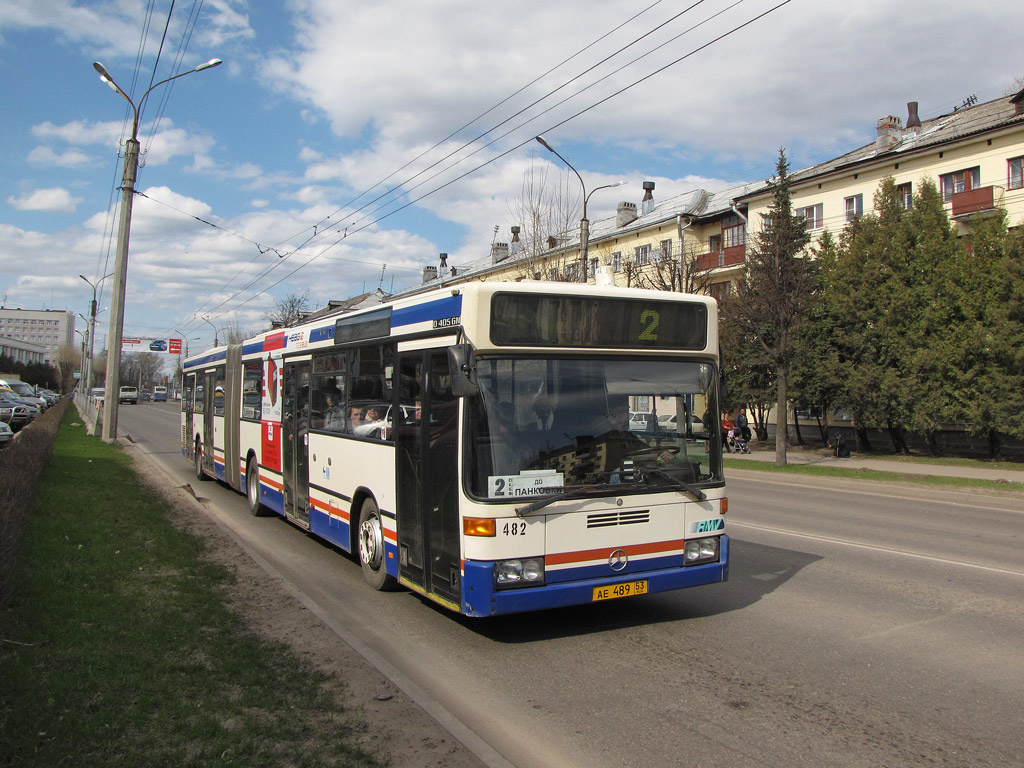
<point>444,261</point>
<point>1018,102</point>
<point>647,204</point>
<point>913,121</point>
<point>429,273</point>
<point>516,246</point>
<point>890,131</point>
<point>625,214</point>
<point>499,252</point>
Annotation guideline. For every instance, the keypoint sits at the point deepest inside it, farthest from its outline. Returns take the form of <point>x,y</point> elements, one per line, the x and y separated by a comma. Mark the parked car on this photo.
<point>128,395</point>
<point>670,423</point>
<point>641,422</point>
<point>6,434</point>
<point>51,397</point>
<point>25,391</point>
<point>21,413</point>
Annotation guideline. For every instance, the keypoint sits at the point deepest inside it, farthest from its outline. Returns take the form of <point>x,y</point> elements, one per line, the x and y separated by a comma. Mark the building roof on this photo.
<point>895,140</point>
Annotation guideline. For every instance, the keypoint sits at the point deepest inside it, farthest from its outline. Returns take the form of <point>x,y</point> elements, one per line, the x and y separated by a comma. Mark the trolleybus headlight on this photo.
<point>522,572</point>
<point>701,551</point>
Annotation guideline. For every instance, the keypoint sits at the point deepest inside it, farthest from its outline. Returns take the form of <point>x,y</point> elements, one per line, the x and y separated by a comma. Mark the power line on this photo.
<point>349,230</point>
<point>607,98</point>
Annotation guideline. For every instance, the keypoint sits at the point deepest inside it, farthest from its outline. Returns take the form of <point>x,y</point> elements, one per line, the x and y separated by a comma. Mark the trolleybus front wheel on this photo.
<point>371,548</point>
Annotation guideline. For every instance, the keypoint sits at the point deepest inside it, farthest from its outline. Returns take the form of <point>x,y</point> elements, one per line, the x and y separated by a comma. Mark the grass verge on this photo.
<point>117,648</point>
<point>933,481</point>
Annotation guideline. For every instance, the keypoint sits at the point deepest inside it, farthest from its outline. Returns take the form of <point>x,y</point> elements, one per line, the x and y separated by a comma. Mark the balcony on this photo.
<point>975,203</point>
<point>727,257</point>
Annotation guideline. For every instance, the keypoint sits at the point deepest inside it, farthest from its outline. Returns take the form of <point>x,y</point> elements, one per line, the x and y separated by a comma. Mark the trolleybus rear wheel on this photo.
<point>252,487</point>
<point>198,456</point>
<point>371,548</point>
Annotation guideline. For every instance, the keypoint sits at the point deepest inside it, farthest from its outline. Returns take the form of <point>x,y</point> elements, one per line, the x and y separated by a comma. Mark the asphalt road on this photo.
<point>862,625</point>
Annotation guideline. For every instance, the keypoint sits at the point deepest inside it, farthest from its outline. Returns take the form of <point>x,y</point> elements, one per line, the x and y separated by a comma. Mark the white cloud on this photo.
<point>53,200</point>
<point>47,157</point>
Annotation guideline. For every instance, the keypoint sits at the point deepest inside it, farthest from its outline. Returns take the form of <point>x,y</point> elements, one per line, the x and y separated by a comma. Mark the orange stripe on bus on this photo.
<point>338,512</point>
<point>657,547</point>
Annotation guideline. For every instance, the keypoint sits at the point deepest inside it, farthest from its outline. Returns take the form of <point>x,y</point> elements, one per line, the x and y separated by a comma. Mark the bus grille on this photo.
<point>607,519</point>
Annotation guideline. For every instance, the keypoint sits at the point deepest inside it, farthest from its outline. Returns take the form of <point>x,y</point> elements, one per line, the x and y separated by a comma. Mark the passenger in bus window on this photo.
<point>355,418</point>
<point>334,415</point>
<point>373,421</point>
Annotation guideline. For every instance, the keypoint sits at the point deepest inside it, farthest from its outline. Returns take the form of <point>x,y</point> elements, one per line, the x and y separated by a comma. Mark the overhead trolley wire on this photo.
<point>508,151</point>
<point>403,186</point>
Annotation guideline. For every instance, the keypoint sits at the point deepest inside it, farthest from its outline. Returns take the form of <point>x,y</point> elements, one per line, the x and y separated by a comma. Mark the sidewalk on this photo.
<point>995,473</point>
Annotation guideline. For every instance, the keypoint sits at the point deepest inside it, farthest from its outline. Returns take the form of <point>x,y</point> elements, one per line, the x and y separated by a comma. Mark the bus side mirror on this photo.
<point>462,367</point>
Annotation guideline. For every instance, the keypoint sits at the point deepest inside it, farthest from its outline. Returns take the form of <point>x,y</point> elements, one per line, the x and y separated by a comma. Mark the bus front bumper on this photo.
<point>481,598</point>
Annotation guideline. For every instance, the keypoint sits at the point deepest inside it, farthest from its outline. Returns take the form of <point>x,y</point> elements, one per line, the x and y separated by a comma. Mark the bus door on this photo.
<point>186,407</point>
<point>208,395</point>
<point>295,440</point>
<point>428,477</point>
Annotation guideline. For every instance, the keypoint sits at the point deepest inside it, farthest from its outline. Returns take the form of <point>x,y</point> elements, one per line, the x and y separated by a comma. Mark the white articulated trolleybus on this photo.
<point>475,444</point>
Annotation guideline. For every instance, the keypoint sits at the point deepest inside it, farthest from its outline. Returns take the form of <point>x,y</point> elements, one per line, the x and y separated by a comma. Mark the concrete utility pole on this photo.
<point>131,167</point>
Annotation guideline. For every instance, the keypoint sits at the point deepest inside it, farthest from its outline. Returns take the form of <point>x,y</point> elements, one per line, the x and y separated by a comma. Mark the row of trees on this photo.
<point>897,321</point>
<point>37,374</point>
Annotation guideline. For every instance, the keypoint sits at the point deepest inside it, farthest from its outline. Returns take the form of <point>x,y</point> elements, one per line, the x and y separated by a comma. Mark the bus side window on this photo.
<point>252,390</point>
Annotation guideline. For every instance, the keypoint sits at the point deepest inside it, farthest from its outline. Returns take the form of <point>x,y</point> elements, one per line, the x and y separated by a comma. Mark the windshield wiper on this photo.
<point>679,485</point>
<point>581,492</point>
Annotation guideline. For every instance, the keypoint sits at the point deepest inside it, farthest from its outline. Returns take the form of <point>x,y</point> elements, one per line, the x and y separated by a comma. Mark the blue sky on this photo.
<point>318,101</point>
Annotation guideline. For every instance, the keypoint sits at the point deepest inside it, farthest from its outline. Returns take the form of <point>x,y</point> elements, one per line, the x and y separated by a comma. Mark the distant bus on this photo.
<point>159,394</point>
<point>473,444</point>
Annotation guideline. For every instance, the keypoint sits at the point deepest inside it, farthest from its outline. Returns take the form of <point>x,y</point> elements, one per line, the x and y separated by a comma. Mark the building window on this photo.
<point>642,255</point>
<point>734,231</point>
<point>593,268</point>
<point>854,207</point>
<point>714,243</point>
<point>666,249</point>
<point>960,181</point>
<point>905,195</point>
<point>617,261</point>
<point>812,214</point>
<point>1016,172</point>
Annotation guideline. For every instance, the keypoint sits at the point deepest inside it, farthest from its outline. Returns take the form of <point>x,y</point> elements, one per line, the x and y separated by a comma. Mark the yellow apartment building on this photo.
<point>974,155</point>
<point>697,240</point>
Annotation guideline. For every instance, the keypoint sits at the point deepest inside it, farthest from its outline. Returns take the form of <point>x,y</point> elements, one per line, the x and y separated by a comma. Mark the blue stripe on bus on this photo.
<point>480,598</point>
<point>333,529</point>
<point>213,357</point>
<point>321,334</point>
<point>442,309</point>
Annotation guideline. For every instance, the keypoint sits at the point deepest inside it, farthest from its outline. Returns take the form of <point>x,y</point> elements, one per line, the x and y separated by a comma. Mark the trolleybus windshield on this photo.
<point>555,425</point>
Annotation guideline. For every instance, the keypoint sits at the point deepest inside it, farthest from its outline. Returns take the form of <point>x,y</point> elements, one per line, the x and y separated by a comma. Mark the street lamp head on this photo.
<point>103,72</point>
<point>541,141</point>
<point>207,65</point>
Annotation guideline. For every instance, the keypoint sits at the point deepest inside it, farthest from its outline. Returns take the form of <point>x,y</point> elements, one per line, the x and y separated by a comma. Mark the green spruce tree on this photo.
<point>771,302</point>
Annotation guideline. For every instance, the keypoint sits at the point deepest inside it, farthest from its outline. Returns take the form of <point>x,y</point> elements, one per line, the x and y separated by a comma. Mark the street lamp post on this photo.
<point>131,167</point>
<point>92,326</point>
<point>584,222</point>
<point>215,332</point>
